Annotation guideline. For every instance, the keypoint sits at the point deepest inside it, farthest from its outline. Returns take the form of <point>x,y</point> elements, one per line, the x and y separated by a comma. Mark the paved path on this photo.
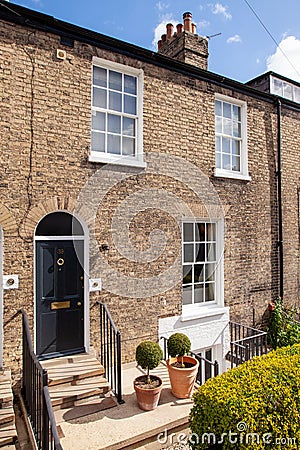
<point>126,425</point>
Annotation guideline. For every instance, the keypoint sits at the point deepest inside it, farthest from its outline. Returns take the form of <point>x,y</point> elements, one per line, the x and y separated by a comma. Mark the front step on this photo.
<point>75,380</point>
<point>71,369</point>
<point>8,432</point>
<point>66,395</point>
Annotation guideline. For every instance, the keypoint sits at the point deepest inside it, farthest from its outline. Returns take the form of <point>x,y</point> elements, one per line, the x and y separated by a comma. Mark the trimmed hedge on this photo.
<point>257,403</point>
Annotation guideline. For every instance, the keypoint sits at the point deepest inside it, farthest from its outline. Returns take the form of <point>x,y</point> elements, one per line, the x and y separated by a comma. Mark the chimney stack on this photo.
<point>170,28</point>
<point>185,44</point>
<point>187,22</point>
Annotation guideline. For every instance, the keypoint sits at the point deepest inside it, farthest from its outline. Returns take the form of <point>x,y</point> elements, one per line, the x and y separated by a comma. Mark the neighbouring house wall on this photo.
<point>45,141</point>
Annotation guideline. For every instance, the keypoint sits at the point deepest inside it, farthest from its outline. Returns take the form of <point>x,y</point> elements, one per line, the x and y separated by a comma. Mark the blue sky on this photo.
<point>243,51</point>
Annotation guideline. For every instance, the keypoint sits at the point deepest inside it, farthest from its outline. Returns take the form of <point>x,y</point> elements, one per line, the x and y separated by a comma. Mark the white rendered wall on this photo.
<point>211,330</point>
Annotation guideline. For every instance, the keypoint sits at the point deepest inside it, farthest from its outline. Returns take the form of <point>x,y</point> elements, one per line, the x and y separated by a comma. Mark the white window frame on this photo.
<point>243,174</point>
<point>214,307</point>
<point>108,158</point>
<point>284,84</point>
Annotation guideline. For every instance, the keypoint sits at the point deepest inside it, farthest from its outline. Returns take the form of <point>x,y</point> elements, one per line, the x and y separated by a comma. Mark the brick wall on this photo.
<point>45,141</point>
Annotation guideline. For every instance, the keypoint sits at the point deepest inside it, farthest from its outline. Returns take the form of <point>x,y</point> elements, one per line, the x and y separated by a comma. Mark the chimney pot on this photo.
<point>169,30</point>
<point>159,44</point>
<point>194,28</point>
<point>179,28</point>
<point>187,21</point>
<point>164,37</point>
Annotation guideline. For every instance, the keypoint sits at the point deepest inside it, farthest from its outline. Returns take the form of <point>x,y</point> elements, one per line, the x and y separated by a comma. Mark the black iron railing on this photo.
<point>110,351</point>
<point>207,369</point>
<point>36,395</point>
<point>246,342</point>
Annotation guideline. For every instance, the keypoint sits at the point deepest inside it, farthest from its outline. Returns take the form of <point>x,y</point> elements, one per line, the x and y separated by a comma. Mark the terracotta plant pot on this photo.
<point>147,398</point>
<point>182,379</point>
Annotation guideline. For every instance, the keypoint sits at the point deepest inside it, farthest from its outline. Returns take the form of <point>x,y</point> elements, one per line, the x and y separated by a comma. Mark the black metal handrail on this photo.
<point>110,351</point>
<point>207,369</point>
<point>246,342</point>
<point>36,395</point>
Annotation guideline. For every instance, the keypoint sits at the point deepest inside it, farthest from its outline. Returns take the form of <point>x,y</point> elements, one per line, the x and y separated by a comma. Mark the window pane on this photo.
<point>211,231</point>
<point>210,272</point>
<point>114,144</point>
<point>129,104</point>
<point>277,86</point>
<point>236,129</point>
<point>236,112</point>
<point>236,166</point>
<point>100,76</point>
<point>236,147</point>
<point>187,295</point>
<point>114,123</point>
<point>209,292</point>
<point>200,252</point>
<point>188,232</point>
<point>226,162</point>
<point>128,148</point>
<point>218,108</point>
<point>287,91</point>
<point>211,252</point>
<point>187,274</point>
<point>218,161</point>
<point>296,94</point>
<point>218,124</point>
<point>98,121</point>
<point>198,273</point>
<point>199,293</point>
<point>218,143</point>
<point>200,232</point>
<point>98,142</point>
<point>115,80</point>
<point>226,145</point>
<point>227,110</point>
<point>188,253</point>
<point>227,124</point>
<point>99,98</point>
<point>115,101</point>
<point>130,84</point>
<point>128,126</point>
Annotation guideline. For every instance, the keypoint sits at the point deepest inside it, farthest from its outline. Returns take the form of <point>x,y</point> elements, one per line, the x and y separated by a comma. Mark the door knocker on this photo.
<point>60,261</point>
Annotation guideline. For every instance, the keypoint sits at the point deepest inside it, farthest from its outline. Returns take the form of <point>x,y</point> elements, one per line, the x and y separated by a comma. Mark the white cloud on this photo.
<point>218,8</point>
<point>278,62</point>
<point>235,38</point>
<point>161,6</point>
<point>203,24</point>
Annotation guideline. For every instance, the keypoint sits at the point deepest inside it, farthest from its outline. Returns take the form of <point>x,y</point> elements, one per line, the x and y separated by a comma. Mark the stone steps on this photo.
<point>76,380</point>
<point>8,432</point>
<point>68,370</point>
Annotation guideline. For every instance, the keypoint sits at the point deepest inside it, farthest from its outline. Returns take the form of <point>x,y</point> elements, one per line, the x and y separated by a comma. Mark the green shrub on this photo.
<point>148,355</point>
<point>283,329</point>
<point>178,345</point>
<point>260,396</point>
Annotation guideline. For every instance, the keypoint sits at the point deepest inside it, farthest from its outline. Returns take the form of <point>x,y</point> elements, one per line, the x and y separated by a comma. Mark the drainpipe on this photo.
<point>279,194</point>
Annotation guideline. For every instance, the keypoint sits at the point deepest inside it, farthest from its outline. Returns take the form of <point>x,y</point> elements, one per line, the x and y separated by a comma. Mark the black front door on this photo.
<point>59,298</point>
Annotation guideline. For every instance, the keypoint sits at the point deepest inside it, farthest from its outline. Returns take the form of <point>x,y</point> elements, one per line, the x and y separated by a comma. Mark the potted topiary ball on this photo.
<point>148,387</point>
<point>181,367</point>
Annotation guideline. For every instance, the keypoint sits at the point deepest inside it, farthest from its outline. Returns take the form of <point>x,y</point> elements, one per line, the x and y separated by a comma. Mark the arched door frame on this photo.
<point>85,239</point>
